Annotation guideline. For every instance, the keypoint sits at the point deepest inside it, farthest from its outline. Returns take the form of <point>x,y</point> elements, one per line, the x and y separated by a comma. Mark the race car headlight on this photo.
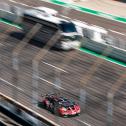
<point>64,109</point>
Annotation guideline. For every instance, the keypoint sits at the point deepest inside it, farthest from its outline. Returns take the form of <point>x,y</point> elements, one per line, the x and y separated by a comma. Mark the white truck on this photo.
<point>70,38</point>
<point>94,33</point>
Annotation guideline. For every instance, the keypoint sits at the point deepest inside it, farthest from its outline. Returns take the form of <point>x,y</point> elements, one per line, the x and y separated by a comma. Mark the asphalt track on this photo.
<point>97,87</point>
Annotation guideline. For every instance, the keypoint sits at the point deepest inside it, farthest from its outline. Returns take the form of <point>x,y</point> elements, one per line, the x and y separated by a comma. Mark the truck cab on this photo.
<point>70,38</point>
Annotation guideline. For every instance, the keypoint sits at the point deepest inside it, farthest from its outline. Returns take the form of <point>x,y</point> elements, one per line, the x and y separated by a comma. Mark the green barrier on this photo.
<point>103,57</point>
<point>10,23</point>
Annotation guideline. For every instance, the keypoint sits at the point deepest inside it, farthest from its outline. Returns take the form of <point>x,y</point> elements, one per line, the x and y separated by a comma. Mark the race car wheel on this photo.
<point>42,104</point>
<point>78,114</point>
<point>56,112</point>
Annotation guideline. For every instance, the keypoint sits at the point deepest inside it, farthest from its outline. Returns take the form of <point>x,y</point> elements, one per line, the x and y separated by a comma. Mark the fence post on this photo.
<point>110,97</point>
<point>83,95</point>
<point>35,65</point>
<point>16,52</point>
<point>110,109</point>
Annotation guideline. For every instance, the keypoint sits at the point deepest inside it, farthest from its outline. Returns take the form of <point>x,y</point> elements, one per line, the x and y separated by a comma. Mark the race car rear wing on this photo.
<point>50,94</point>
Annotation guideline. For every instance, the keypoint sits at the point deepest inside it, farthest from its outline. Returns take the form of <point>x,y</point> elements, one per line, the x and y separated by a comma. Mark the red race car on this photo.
<point>60,105</point>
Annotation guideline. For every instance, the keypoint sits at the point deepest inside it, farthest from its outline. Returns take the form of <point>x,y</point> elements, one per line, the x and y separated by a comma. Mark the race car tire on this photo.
<point>42,104</point>
<point>56,112</point>
<point>78,114</point>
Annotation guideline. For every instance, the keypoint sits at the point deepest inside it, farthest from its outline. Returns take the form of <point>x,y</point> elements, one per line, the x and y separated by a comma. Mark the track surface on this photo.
<point>97,87</point>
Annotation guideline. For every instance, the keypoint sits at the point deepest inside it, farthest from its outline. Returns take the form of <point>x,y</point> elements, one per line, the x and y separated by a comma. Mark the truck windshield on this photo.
<point>72,38</point>
<point>67,27</point>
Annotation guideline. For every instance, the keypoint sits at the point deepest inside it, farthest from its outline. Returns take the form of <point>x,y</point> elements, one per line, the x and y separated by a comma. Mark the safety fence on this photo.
<point>28,71</point>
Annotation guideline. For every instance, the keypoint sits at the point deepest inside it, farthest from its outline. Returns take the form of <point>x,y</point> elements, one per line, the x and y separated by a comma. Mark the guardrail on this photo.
<point>29,111</point>
<point>15,117</point>
<point>116,53</point>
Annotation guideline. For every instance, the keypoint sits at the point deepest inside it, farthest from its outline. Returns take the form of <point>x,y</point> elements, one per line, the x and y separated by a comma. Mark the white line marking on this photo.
<point>20,3</point>
<point>65,17</point>
<point>51,83</point>
<point>12,1</point>
<point>117,32</point>
<point>1,44</point>
<point>83,122</point>
<point>11,84</point>
<point>55,67</point>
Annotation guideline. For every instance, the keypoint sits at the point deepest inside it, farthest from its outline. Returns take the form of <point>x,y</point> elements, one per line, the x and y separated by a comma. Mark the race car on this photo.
<point>60,106</point>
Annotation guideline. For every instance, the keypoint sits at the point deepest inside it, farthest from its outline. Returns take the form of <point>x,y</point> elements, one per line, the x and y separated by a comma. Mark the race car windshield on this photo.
<point>67,27</point>
<point>68,104</point>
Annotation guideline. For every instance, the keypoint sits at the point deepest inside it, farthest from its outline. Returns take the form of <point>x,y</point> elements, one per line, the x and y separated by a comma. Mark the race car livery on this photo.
<point>60,105</point>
